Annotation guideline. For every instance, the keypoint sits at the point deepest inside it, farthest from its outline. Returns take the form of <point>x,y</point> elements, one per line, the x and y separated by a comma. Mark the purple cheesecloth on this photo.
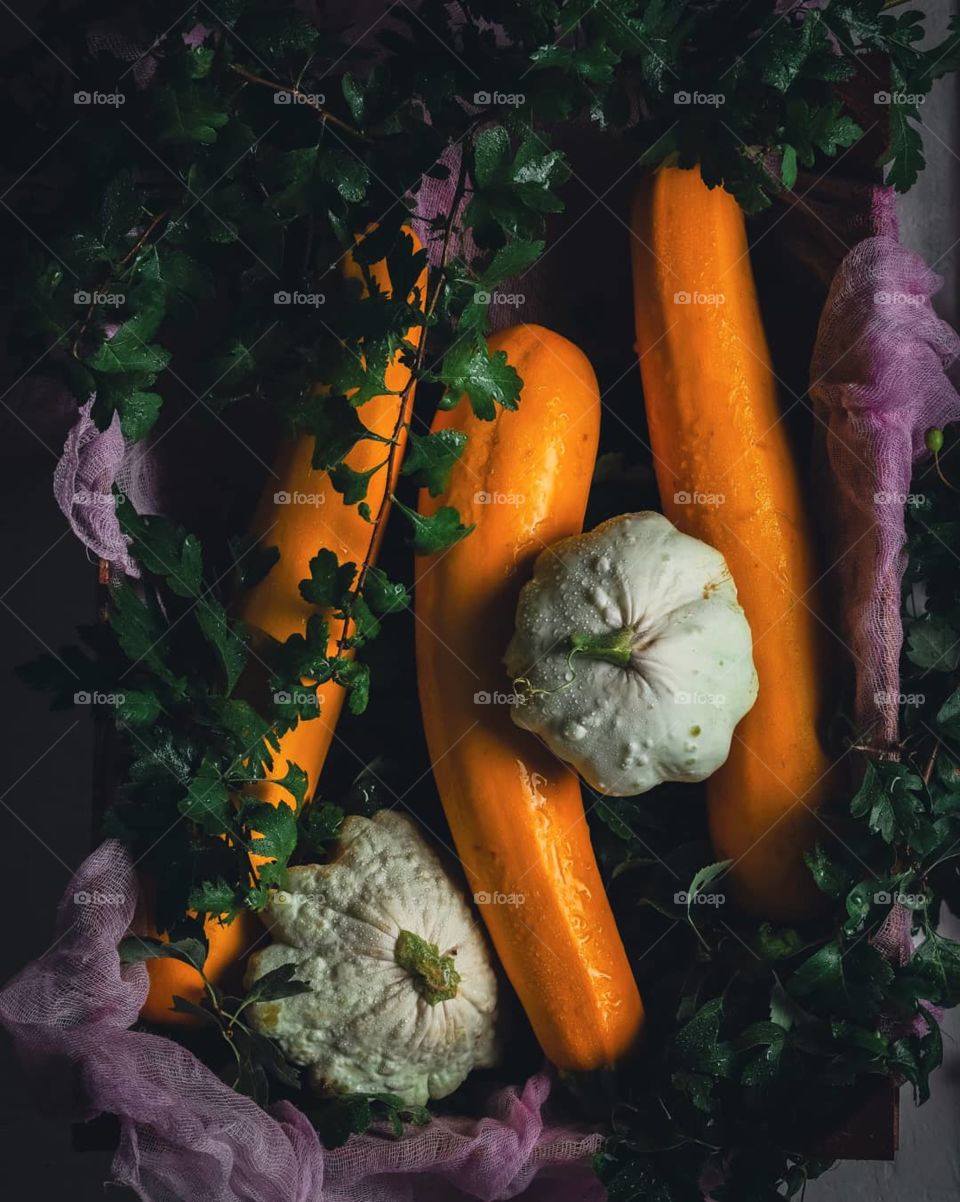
<point>880,377</point>
<point>185,1134</point>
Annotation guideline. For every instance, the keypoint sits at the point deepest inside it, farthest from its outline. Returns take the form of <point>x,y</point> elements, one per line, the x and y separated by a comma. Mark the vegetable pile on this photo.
<point>199,201</point>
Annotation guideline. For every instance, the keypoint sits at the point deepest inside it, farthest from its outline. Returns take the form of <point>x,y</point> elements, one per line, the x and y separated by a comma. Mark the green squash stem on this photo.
<point>615,646</point>
<point>434,976</point>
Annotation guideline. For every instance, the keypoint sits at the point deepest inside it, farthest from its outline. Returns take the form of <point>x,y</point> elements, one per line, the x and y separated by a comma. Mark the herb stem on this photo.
<point>406,398</point>
<point>939,470</point>
<point>326,116</point>
<point>131,253</point>
<point>931,762</point>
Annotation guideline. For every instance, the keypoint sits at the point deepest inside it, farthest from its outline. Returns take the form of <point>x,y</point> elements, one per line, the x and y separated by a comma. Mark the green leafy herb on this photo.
<point>329,581</point>
<point>137,948</point>
<point>431,458</point>
<point>276,984</point>
<point>321,824</point>
<point>434,533</point>
<point>488,380</point>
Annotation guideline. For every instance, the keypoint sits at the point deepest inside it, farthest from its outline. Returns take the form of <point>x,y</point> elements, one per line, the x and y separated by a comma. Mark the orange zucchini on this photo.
<point>726,475</point>
<point>275,606</point>
<point>515,812</point>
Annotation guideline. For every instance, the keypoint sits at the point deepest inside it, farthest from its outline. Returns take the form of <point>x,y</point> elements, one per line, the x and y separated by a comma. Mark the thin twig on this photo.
<point>131,253</point>
<point>390,462</point>
<point>891,752</point>
<point>304,98</point>
<point>939,469</point>
<point>931,763</point>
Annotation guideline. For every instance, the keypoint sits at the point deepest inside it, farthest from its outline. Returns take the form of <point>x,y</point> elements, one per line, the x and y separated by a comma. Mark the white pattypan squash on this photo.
<point>403,998</point>
<point>633,660</point>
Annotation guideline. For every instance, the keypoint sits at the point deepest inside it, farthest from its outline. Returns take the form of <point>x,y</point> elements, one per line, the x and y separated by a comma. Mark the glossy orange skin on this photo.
<point>516,812</point>
<point>300,530</point>
<point>715,428</point>
<point>275,606</point>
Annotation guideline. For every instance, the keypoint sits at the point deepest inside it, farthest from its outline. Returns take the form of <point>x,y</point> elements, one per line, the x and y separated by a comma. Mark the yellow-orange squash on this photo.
<point>315,516</point>
<point>726,475</point>
<point>516,812</point>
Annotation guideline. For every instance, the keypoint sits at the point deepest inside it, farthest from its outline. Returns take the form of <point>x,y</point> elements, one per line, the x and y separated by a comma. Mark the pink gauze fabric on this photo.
<point>894,940</point>
<point>185,1134</point>
<point>93,462</point>
<point>880,381</point>
<point>124,45</point>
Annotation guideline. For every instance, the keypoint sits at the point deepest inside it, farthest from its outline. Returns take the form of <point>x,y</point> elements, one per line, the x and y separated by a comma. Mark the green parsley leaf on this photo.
<point>329,582</point>
<point>336,427</point>
<point>189,114</point>
<point>276,831</point>
<point>932,642</point>
<point>436,532</point>
<point>134,949</point>
<point>214,897</point>
<point>830,877</point>
<point>892,799</point>
<point>138,707</point>
<point>905,152</point>
<point>431,458</point>
<point>383,595</point>
<point>229,642</point>
<point>510,260</point>
<point>488,380</point>
<point>138,413</point>
<point>350,484</point>
<point>698,1044</point>
<point>276,984</point>
<point>321,823</point>
<point>207,801</point>
<point>355,676</point>
<point>937,963</point>
<point>295,781</point>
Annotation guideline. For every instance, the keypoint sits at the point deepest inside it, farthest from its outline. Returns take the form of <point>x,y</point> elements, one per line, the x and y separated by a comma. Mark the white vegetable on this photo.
<point>633,659</point>
<point>403,998</point>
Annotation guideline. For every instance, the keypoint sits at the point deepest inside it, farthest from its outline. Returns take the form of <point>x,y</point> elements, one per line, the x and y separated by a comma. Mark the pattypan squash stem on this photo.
<point>434,976</point>
<point>616,647</point>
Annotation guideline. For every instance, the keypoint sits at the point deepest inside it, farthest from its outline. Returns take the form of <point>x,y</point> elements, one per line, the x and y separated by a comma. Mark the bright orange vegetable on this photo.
<point>726,475</point>
<point>299,529</point>
<point>516,812</point>
<point>227,944</point>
